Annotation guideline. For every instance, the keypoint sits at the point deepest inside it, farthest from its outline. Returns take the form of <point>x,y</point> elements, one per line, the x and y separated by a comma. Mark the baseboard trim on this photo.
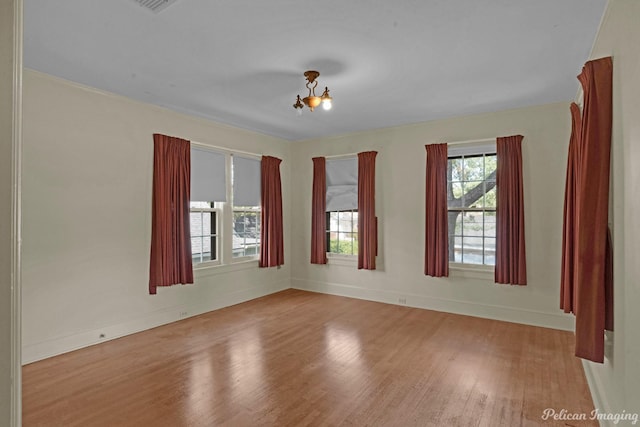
<point>528,317</point>
<point>59,345</point>
<point>598,395</point>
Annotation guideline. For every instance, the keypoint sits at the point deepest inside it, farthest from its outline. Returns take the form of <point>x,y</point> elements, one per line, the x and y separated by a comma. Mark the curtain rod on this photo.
<point>472,141</point>
<point>227,150</point>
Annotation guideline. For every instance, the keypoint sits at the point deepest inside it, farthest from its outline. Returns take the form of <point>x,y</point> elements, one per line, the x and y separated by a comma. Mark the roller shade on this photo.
<point>470,149</point>
<point>246,181</point>
<point>208,177</point>
<point>342,184</point>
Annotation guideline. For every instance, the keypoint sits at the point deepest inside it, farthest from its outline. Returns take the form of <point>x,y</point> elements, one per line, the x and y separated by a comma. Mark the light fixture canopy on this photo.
<point>311,100</point>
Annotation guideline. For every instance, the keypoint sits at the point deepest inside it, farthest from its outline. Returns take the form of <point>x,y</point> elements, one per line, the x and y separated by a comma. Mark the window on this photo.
<point>471,198</point>
<point>225,207</point>
<point>246,207</point>
<point>205,239</point>
<point>342,232</point>
<point>342,206</point>
<point>208,186</point>
<point>246,231</point>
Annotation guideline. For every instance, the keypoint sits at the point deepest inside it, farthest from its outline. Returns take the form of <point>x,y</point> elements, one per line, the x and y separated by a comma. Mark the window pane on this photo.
<point>490,164</point>
<point>206,222</point>
<point>458,227</point>
<point>455,191</point>
<point>472,250</point>
<point>246,232</point>
<point>455,169</point>
<point>457,245</point>
<point>468,187</point>
<point>333,221</point>
<point>195,219</point>
<point>196,249</point>
<point>490,224</point>
<point>346,222</point>
<point>472,224</point>
<point>489,199</point>
<point>473,168</point>
<point>342,232</point>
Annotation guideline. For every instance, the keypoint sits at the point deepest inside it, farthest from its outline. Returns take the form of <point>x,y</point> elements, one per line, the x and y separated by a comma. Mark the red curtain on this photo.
<point>271,235</point>
<point>511,265</point>
<point>170,261</point>
<point>567,284</point>
<point>367,220</point>
<point>436,250</point>
<point>318,207</point>
<point>593,280</point>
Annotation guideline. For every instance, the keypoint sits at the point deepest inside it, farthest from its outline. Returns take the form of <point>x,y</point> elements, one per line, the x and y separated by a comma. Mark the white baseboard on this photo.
<point>508,314</point>
<point>59,345</point>
<point>600,401</point>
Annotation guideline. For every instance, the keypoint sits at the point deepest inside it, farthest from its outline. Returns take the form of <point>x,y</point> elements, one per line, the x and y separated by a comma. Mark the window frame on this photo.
<point>225,220</point>
<point>218,234</point>
<point>462,153</point>
<point>355,234</point>
<point>257,210</point>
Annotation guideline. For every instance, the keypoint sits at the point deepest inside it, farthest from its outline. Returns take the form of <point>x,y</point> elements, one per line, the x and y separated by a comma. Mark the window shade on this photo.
<point>246,181</point>
<point>471,148</point>
<point>342,184</point>
<point>208,177</point>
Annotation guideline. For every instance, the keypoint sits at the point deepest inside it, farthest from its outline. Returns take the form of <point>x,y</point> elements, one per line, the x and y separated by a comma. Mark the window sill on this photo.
<point>210,270</point>
<point>343,260</point>
<point>472,271</point>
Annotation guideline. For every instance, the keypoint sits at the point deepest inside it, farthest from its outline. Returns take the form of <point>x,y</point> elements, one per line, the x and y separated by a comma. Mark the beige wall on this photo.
<point>616,383</point>
<point>87,189</point>
<point>400,208</point>
<point>10,61</point>
<point>87,184</point>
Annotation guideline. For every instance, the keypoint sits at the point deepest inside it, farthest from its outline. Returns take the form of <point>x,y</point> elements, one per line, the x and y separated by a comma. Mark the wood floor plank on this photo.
<point>298,358</point>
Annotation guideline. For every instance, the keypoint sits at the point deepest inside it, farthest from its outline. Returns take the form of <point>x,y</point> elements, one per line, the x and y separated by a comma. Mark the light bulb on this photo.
<point>298,112</point>
<point>326,104</point>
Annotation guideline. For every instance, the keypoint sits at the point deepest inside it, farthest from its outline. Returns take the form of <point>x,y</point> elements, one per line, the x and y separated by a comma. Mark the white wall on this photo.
<point>10,94</point>
<point>616,383</point>
<point>400,206</point>
<point>88,160</point>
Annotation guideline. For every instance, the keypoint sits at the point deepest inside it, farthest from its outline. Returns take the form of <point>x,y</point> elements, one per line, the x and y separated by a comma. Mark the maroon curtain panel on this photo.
<point>170,261</point>
<point>318,208</point>
<point>511,265</point>
<point>271,234</point>
<point>591,270</point>
<point>367,220</point>
<point>567,280</point>
<point>436,248</point>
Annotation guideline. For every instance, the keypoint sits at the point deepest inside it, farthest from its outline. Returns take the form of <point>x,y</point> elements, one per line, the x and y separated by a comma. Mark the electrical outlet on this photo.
<point>402,301</point>
<point>183,314</point>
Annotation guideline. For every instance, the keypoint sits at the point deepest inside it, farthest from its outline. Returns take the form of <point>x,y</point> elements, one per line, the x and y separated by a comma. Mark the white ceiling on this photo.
<point>386,63</point>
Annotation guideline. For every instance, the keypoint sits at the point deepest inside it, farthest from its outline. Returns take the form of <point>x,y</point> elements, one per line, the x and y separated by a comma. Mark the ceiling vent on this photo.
<point>155,5</point>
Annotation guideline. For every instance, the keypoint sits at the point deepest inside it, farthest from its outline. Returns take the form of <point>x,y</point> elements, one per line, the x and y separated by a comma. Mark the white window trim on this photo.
<point>217,261</point>
<point>467,149</point>
<point>342,255</point>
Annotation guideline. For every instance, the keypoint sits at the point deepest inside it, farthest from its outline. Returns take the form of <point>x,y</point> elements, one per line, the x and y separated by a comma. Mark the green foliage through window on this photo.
<point>342,232</point>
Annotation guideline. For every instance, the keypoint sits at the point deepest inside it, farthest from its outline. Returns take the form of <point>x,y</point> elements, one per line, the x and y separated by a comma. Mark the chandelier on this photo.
<point>311,100</point>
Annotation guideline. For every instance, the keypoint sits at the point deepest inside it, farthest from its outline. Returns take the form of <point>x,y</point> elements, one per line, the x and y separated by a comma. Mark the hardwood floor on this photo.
<point>297,358</point>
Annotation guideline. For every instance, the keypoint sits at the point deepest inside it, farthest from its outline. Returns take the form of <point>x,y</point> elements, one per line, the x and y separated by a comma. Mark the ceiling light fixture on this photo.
<point>312,101</point>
